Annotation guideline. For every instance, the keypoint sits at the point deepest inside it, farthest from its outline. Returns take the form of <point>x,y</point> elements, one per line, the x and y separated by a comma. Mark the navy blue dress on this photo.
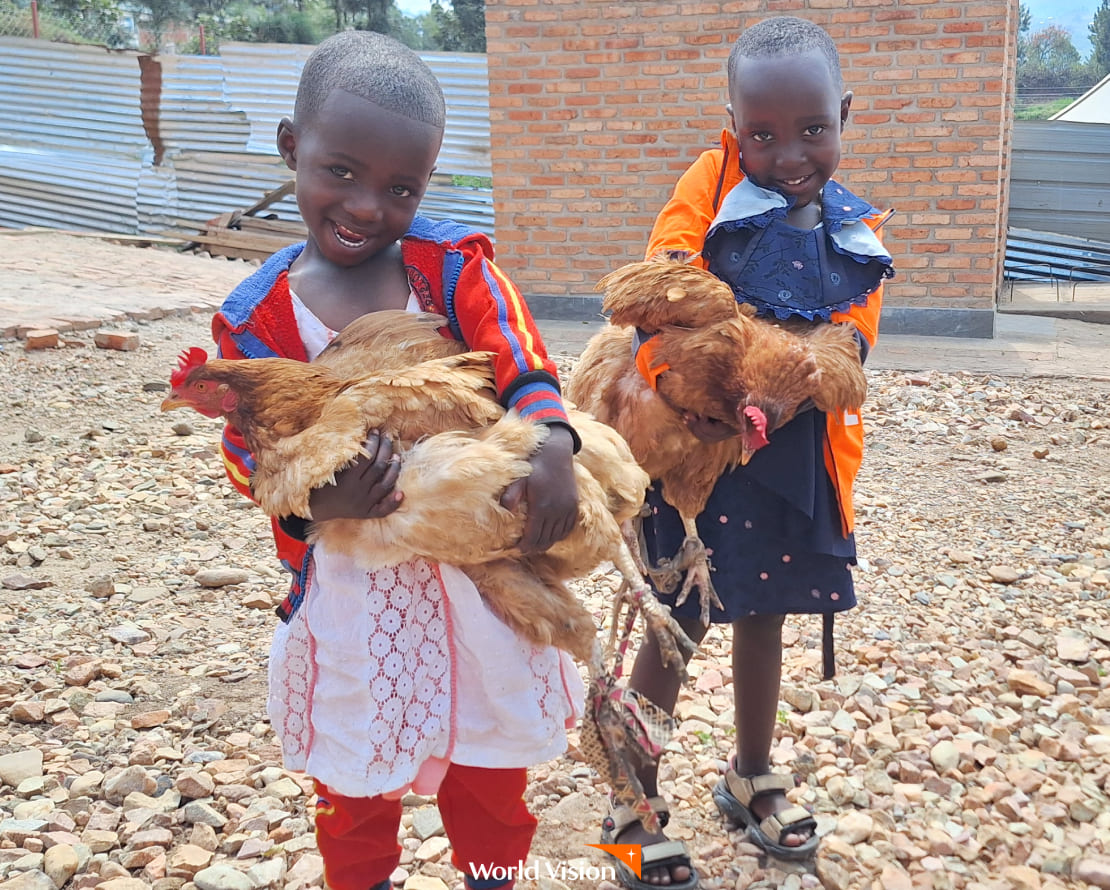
<point>773,528</point>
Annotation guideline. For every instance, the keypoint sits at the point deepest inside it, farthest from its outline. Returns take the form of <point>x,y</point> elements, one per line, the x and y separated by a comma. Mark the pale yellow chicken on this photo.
<point>460,451</point>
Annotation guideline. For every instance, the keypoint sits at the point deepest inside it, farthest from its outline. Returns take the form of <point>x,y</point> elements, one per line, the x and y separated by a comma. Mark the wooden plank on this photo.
<point>231,238</point>
<point>276,226</point>
<point>270,197</point>
<point>230,242</point>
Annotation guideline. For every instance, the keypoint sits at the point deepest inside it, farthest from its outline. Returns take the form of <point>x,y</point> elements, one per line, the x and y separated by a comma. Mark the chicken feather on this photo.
<point>438,411</point>
<point>452,479</point>
<point>719,361</point>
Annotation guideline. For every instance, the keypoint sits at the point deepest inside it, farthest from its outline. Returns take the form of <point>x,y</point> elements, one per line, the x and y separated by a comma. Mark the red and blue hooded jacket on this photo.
<point>451,271</point>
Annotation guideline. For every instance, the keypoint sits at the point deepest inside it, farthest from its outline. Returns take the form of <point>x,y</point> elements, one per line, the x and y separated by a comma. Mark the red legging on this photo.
<point>483,813</point>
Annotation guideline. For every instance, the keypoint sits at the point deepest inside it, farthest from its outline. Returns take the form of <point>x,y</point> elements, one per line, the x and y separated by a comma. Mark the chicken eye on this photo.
<point>201,386</point>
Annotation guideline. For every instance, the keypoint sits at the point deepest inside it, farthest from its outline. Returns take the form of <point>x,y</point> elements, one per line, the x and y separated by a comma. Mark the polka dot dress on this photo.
<point>772,530</point>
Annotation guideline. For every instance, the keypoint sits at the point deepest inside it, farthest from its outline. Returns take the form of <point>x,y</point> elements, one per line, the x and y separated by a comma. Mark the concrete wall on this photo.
<point>597,107</point>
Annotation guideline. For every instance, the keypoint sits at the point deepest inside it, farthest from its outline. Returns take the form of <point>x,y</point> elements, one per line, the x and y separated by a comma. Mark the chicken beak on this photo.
<point>745,455</point>
<point>171,402</point>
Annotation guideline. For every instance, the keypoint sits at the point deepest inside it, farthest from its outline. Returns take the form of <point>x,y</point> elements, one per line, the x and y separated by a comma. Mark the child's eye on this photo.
<point>342,173</point>
<point>401,191</point>
<point>816,130</point>
<point>762,137</point>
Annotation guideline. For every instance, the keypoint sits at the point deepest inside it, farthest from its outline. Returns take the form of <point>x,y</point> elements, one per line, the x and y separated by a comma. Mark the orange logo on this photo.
<point>629,854</point>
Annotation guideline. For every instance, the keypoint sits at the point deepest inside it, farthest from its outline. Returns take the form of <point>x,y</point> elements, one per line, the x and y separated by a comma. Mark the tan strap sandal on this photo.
<point>654,855</point>
<point>734,795</point>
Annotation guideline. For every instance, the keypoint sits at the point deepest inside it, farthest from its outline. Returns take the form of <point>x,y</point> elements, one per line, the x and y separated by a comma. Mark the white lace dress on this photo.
<point>386,674</point>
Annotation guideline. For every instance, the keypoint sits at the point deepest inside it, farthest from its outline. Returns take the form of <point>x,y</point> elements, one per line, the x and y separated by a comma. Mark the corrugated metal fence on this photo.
<point>118,141</point>
<point>1060,178</point>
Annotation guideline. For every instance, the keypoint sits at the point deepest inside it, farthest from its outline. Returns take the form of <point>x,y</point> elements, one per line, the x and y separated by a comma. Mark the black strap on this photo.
<point>828,655</point>
<point>720,182</point>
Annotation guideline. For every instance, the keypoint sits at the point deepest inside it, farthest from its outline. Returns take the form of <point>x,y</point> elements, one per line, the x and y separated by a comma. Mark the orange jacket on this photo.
<point>683,223</point>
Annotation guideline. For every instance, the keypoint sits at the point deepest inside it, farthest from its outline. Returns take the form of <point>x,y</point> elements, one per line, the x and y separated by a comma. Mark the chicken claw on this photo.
<point>693,558</point>
<point>634,593</point>
<point>665,575</point>
<point>669,635</point>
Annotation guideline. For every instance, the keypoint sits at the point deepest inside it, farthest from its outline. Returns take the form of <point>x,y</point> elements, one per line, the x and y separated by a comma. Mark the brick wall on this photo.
<point>596,108</point>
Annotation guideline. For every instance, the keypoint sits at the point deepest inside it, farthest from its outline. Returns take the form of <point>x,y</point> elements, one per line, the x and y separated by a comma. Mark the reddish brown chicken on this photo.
<point>705,355</point>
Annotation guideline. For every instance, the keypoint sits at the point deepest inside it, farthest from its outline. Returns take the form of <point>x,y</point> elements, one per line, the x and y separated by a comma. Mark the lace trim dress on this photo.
<point>386,674</point>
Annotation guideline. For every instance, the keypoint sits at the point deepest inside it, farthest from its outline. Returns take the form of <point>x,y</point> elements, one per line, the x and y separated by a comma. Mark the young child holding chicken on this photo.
<point>400,677</point>
<point>764,214</point>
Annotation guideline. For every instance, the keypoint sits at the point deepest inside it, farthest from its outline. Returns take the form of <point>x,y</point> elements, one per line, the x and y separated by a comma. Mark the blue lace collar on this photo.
<point>787,271</point>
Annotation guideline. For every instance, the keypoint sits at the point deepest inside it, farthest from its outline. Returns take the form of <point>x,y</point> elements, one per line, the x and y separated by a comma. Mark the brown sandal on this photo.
<point>734,795</point>
<point>653,855</point>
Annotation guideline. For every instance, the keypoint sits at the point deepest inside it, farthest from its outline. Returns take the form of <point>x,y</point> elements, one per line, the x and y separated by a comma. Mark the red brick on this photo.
<point>124,341</point>
<point>41,338</point>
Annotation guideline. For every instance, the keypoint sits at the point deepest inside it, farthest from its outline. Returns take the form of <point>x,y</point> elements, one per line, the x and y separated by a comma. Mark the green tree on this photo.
<point>158,15</point>
<point>1099,30</point>
<point>1025,21</point>
<point>1052,48</point>
<point>461,27</point>
<point>377,15</point>
<point>1051,64</point>
<point>411,30</point>
<point>365,15</point>
<point>98,21</point>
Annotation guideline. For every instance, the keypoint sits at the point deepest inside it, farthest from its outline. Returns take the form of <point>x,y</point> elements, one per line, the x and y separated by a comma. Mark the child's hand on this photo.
<point>707,429</point>
<point>550,493</point>
<point>364,490</point>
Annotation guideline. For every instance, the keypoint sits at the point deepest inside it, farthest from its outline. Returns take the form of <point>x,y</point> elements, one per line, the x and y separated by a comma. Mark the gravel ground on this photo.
<point>965,742</point>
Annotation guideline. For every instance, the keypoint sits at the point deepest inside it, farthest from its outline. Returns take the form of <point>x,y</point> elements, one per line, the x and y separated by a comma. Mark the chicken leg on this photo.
<point>693,558</point>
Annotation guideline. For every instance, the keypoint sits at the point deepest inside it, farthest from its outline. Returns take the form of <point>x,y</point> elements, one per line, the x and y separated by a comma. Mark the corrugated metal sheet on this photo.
<point>262,82</point>
<point>465,81</point>
<point>194,112</point>
<point>66,97</point>
<point>67,190</point>
<point>1045,256</point>
<point>74,152</point>
<point>156,199</point>
<point>1060,178</point>
<point>205,189</point>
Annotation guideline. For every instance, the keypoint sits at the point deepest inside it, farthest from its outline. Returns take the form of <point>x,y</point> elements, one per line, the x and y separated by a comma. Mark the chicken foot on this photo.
<point>693,558</point>
<point>667,572</point>
<point>639,597</point>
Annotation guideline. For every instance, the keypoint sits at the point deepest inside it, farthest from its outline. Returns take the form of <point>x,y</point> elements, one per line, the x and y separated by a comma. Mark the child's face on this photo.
<point>361,172</point>
<point>787,115</point>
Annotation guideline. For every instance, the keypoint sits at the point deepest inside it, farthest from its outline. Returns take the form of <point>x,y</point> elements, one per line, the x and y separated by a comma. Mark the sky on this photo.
<point>1072,15</point>
<point>413,7</point>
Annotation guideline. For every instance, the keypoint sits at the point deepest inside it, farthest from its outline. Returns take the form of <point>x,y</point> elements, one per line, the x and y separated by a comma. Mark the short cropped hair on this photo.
<point>785,36</point>
<point>373,67</point>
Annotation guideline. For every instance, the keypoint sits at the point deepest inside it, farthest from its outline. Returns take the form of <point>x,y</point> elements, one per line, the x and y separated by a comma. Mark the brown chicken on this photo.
<point>707,356</point>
